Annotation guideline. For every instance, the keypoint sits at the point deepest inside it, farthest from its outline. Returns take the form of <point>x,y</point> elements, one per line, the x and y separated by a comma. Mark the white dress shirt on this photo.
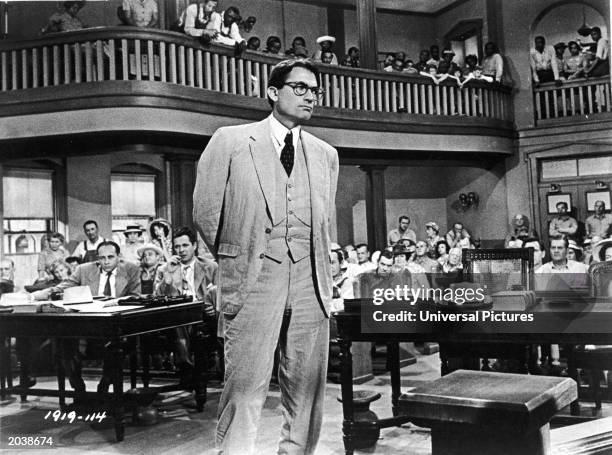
<point>187,274</point>
<point>279,131</point>
<point>113,278</point>
<point>227,35</point>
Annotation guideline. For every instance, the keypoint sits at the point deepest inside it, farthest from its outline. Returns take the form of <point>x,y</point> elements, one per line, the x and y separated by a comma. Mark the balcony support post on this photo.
<point>366,21</point>
<point>376,206</point>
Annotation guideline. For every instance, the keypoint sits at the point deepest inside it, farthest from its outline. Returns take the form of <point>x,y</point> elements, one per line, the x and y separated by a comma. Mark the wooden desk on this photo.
<point>110,327</point>
<point>587,321</point>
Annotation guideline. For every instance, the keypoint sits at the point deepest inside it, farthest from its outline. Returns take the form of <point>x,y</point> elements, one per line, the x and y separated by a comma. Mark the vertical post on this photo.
<point>376,217</point>
<point>1,220</point>
<point>335,27</point>
<point>366,21</point>
<point>182,183</point>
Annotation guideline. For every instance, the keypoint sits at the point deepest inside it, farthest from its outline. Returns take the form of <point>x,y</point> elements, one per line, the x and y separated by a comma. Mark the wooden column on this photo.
<point>182,183</point>
<point>1,211</point>
<point>335,27</point>
<point>376,216</point>
<point>366,21</point>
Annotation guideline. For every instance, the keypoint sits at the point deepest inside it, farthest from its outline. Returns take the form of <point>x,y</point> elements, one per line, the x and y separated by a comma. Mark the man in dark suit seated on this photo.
<point>188,274</point>
<point>384,277</point>
<point>109,276</point>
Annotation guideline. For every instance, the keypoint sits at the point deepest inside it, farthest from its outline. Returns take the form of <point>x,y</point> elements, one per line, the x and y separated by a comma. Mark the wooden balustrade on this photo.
<point>579,97</point>
<point>119,53</point>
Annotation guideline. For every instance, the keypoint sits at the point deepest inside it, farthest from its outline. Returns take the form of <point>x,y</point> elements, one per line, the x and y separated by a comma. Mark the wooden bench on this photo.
<point>475,412</point>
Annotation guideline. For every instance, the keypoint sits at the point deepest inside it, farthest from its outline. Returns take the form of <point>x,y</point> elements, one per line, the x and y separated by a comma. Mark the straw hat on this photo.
<point>149,246</point>
<point>323,38</point>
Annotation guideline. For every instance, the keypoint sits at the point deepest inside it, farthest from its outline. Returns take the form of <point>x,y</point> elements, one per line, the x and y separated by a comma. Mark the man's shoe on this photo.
<point>29,383</point>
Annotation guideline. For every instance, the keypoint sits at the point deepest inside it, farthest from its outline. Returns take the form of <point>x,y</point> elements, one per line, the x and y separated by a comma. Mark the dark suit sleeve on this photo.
<point>133,281</point>
<point>213,172</point>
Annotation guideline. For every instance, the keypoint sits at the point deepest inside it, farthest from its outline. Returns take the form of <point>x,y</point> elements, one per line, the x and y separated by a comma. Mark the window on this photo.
<point>576,167</point>
<point>132,201</point>
<point>28,209</point>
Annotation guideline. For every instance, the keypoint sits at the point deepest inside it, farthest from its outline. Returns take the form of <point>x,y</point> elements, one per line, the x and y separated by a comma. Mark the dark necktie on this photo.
<point>107,288</point>
<point>288,153</point>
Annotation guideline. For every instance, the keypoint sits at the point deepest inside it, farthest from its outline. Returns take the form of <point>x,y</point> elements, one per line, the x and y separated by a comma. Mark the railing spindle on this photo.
<point>182,79</point>
<point>357,93</point>
<point>430,100</point>
<point>232,75</point>
<point>409,97</point>
<point>336,91</point>
<point>88,62</point>
<point>138,58</point>
<point>224,73</point>
<point>56,65</point>
<point>379,98</point>
<point>45,66</point>
<point>162,61</point>
<point>241,79</point>
<point>400,96</point>
<point>444,90</point>
<point>452,106</point>
<point>485,103</point>
<point>14,69</point>
<point>581,100</point>
<point>423,99</point>
<point>151,60</point>
<point>199,68</point>
<point>264,80</point>
<point>100,59</point>
<point>4,72</point>
<point>460,93</point>
<point>207,71</point>
<point>112,63</point>
<point>173,68</point>
<point>78,63</point>
<point>437,98</point>
<point>190,68</point>
<point>125,60</point>
<point>386,95</point>
<point>349,92</point>
<point>555,97</point>
<point>24,68</point>
<point>372,91</point>
<point>257,88</point>
<point>249,78</point>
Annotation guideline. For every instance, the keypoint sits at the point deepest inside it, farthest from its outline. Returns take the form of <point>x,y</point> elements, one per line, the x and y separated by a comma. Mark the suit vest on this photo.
<point>292,235</point>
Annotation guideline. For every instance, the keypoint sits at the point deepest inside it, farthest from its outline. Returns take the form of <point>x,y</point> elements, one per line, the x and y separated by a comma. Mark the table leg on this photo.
<point>133,347</point>
<point>61,373</point>
<point>24,367</point>
<point>116,358</point>
<point>394,368</point>
<point>5,366</point>
<point>444,366</point>
<point>201,345</point>
<point>346,381</point>
<point>572,372</point>
<point>145,355</point>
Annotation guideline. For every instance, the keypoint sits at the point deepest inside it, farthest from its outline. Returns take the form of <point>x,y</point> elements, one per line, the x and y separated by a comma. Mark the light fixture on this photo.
<point>601,185</point>
<point>554,188</point>
<point>470,199</point>
<point>585,30</point>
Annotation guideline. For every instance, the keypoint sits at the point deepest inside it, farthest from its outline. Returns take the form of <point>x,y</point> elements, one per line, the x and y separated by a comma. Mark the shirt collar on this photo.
<point>279,131</point>
<point>113,273</point>
<point>189,264</point>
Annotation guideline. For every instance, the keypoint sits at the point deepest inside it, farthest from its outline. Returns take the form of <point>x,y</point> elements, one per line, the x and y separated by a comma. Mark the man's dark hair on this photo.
<point>279,73</point>
<point>572,43</point>
<point>386,254</point>
<point>339,254</point>
<point>563,203</point>
<point>353,49</point>
<point>57,235</point>
<point>438,244</point>
<point>361,245</point>
<point>299,38</point>
<point>404,217</point>
<point>560,237</point>
<point>108,243</point>
<point>179,232</point>
<point>539,37</point>
<point>596,29</point>
<point>272,39</point>
<point>68,5</point>
<point>495,48</point>
<point>71,259</point>
<point>235,10</point>
<point>90,222</point>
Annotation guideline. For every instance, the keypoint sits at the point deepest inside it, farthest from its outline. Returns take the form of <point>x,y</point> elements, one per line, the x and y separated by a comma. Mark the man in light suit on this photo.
<point>108,276</point>
<point>186,273</point>
<point>264,201</point>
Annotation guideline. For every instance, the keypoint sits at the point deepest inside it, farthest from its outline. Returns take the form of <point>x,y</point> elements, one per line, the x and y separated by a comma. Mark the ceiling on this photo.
<point>413,6</point>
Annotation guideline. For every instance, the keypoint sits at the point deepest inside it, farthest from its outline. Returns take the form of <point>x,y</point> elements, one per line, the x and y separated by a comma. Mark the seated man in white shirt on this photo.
<point>141,13</point>
<point>599,66</point>
<point>196,18</point>
<point>560,273</point>
<point>226,26</point>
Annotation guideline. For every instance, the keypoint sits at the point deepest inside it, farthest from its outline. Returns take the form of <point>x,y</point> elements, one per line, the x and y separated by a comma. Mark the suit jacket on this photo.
<point>204,278</point>
<point>127,281</point>
<point>234,206</point>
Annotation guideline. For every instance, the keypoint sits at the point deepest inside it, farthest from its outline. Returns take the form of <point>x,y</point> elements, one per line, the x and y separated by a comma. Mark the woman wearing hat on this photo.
<point>133,238</point>
<point>574,252</point>
<point>160,234</point>
<point>432,229</point>
<point>603,250</point>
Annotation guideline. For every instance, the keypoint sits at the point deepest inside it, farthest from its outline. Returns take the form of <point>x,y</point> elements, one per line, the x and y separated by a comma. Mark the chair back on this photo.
<point>499,269</point>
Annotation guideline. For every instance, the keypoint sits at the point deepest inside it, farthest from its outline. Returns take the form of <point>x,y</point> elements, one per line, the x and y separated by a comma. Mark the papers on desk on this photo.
<point>101,306</point>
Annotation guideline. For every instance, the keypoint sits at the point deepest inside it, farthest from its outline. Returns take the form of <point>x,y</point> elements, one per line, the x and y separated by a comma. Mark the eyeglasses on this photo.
<point>300,89</point>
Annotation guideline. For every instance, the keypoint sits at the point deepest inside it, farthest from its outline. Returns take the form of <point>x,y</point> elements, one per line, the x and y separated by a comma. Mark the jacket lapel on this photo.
<point>264,154</point>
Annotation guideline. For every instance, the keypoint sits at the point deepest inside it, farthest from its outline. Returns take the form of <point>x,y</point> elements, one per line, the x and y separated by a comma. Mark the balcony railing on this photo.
<point>572,100</point>
<point>130,54</point>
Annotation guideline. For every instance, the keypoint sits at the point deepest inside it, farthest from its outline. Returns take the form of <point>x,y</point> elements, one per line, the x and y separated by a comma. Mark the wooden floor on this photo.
<point>185,431</point>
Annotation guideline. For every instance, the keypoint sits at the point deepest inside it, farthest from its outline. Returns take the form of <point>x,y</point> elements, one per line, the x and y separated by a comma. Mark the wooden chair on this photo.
<point>596,359</point>
<point>496,270</point>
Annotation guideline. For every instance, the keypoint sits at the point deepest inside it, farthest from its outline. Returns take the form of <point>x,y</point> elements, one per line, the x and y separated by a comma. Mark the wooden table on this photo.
<point>584,321</point>
<point>109,327</point>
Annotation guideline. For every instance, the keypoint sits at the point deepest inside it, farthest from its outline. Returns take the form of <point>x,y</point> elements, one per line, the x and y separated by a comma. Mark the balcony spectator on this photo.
<point>563,224</point>
<point>396,67</point>
<point>387,64</point>
<point>424,57</point>
<point>353,53</point>
<point>543,63</point>
<point>226,26</point>
<point>253,43</point>
<point>561,273</point>
<point>298,42</point>
<point>560,56</point>
<point>476,75</point>
<point>197,18</point>
<point>600,223</point>
<point>273,45</point>
<point>432,73</point>
<point>346,61</point>
<point>574,63</point>
<point>493,62</point>
<point>67,20</point>
<point>141,13</point>
<point>326,43</point>
<point>600,66</point>
<point>458,237</point>
<point>432,230</point>
<point>327,57</point>
<point>422,259</point>
<point>471,62</point>
<point>434,53</point>
<point>574,252</point>
<point>363,258</point>
<point>442,250</point>
<point>409,67</point>
<point>453,264</point>
<point>447,65</point>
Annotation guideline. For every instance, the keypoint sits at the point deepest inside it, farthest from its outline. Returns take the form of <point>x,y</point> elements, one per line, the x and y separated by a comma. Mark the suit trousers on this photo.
<point>251,337</point>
